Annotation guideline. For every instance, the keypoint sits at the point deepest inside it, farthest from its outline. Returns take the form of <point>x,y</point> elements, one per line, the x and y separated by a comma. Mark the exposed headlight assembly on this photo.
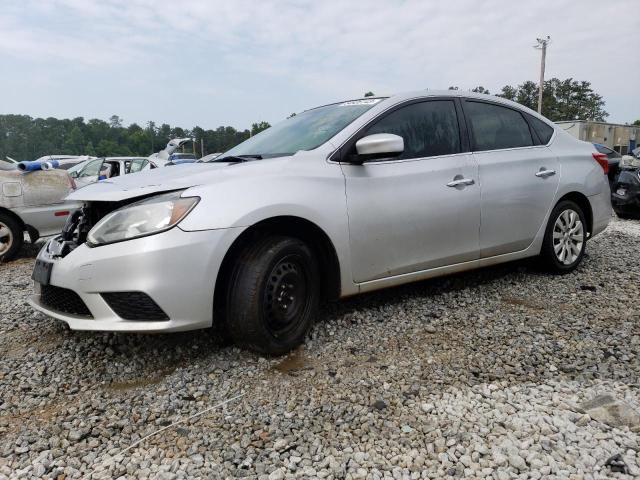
<point>146,217</point>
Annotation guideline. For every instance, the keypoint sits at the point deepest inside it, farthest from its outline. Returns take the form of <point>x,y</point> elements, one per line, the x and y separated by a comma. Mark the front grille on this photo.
<point>134,306</point>
<point>63,300</point>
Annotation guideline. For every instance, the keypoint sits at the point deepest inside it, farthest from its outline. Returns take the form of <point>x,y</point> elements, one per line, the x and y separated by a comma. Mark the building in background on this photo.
<point>622,138</point>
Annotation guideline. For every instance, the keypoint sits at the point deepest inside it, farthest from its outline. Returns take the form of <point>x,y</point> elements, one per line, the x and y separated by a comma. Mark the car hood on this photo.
<point>154,181</point>
<point>176,177</point>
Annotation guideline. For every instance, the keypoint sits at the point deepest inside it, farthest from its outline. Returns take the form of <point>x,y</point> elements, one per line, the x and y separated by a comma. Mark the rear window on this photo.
<point>495,127</point>
<point>607,151</point>
<point>544,131</point>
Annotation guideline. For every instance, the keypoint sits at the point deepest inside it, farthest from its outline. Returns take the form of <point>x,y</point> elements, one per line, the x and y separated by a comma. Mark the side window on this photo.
<point>428,128</point>
<point>495,127</point>
<point>544,131</point>
<point>136,166</point>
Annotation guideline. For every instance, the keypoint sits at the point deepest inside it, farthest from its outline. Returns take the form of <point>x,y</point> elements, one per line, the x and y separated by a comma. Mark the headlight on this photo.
<point>146,217</point>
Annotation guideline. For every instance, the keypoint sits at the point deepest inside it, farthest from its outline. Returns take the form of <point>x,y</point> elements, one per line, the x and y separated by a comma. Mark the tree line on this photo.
<point>567,99</point>
<point>25,138</point>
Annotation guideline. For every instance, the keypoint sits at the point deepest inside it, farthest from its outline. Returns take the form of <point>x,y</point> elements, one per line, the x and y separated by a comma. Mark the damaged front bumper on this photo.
<point>160,283</point>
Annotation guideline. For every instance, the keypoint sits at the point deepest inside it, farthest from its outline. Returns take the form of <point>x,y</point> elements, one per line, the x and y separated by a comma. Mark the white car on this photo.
<point>338,200</point>
<point>32,202</point>
<point>93,170</point>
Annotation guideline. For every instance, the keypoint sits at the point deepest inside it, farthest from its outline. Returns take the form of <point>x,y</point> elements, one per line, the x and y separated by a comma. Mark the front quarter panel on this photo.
<point>304,186</point>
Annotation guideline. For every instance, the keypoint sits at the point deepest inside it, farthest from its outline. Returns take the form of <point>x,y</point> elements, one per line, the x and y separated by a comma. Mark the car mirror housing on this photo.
<point>377,146</point>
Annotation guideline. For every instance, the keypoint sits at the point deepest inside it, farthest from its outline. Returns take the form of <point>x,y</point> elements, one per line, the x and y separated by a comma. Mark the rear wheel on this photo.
<point>11,237</point>
<point>272,295</point>
<point>565,238</point>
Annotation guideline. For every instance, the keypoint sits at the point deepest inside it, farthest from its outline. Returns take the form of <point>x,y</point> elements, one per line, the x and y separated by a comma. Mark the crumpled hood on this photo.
<point>157,180</point>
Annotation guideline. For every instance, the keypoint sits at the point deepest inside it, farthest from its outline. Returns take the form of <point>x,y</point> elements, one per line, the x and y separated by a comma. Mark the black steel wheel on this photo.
<point>286,295</point>
<point>272,295</point>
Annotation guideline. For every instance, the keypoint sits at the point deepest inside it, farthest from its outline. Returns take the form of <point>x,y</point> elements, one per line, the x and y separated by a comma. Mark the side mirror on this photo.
<point>74,174</point>
<point>378,145</point>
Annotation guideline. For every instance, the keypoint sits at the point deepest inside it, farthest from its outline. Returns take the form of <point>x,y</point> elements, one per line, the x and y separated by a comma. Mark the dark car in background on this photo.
<point>625,191</point>
<point>614,161</point>
<point>624,180</point>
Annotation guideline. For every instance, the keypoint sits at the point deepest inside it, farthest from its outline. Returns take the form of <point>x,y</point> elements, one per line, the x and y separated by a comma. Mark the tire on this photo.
<point>564,253</point>
<point>11,237</point>
<point>272,295</point>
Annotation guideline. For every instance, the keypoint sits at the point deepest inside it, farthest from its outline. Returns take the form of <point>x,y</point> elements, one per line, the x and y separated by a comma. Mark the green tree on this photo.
<point>115,121</point>
<point>25,138</point>
<point>258,127</point>
<point>637,122</point>
<point>508,92</point>
<point>561,99</point>
<point>89,150</point>
<point>74,141</point>
<point>452,88</point>
<point>481,90</point>
<point>369,94</point>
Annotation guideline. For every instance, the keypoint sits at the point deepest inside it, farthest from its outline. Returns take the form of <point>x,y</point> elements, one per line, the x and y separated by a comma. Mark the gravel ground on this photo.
<point>478,375</point>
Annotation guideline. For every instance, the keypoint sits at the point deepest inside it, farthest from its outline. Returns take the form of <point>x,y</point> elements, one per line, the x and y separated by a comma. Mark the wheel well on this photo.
<point>583,203</point>
<point>290,226</point>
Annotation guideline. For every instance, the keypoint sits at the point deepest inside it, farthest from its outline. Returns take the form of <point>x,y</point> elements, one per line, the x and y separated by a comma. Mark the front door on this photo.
<point>420,210</point>
<point>89,173</point>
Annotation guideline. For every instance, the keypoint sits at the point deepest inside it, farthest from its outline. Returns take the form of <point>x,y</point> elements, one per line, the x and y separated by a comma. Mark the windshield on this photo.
<point>304,131</point>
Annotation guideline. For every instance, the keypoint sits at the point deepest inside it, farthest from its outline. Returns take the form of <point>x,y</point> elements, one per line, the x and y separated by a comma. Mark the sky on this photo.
<point>210,63</point>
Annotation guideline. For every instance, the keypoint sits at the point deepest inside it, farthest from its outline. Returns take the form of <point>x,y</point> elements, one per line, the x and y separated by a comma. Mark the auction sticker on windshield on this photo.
<point>366,101</point>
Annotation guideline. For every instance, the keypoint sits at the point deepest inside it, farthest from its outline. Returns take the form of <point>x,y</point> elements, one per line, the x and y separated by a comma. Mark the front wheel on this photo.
<point>11,237</point>
<point>273,295</point>
<point>565,238</point>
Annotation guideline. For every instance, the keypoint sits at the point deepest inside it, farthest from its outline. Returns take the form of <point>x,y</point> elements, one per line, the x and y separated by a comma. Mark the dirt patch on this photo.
<point>20,342</point>
<point>523,302</point>
<point>125,385</point>
<point>294,362</point>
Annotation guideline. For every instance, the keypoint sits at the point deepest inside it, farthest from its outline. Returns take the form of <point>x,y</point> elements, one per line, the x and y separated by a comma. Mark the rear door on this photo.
<point>405,214</point>
<point>519,177</point>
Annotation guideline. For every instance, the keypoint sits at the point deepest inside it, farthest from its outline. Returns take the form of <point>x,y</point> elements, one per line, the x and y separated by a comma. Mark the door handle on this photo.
<point>545,173</point>
<point>461,181</point>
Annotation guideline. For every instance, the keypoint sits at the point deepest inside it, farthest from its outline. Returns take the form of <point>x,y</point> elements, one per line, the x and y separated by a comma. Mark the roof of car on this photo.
<point>403,96</point>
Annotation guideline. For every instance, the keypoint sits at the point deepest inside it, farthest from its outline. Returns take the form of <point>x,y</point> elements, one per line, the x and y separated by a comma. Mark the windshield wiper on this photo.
<point>237,158</point>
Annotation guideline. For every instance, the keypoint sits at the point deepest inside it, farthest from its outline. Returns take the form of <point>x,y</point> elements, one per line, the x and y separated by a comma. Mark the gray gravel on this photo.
<point>489,374</point>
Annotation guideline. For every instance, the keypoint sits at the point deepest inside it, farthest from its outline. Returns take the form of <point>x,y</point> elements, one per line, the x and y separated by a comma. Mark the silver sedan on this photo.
<point>338,200</point>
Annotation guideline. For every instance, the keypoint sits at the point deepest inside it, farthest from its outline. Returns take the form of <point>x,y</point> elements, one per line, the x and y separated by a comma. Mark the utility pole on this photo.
<point>542,45</point>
